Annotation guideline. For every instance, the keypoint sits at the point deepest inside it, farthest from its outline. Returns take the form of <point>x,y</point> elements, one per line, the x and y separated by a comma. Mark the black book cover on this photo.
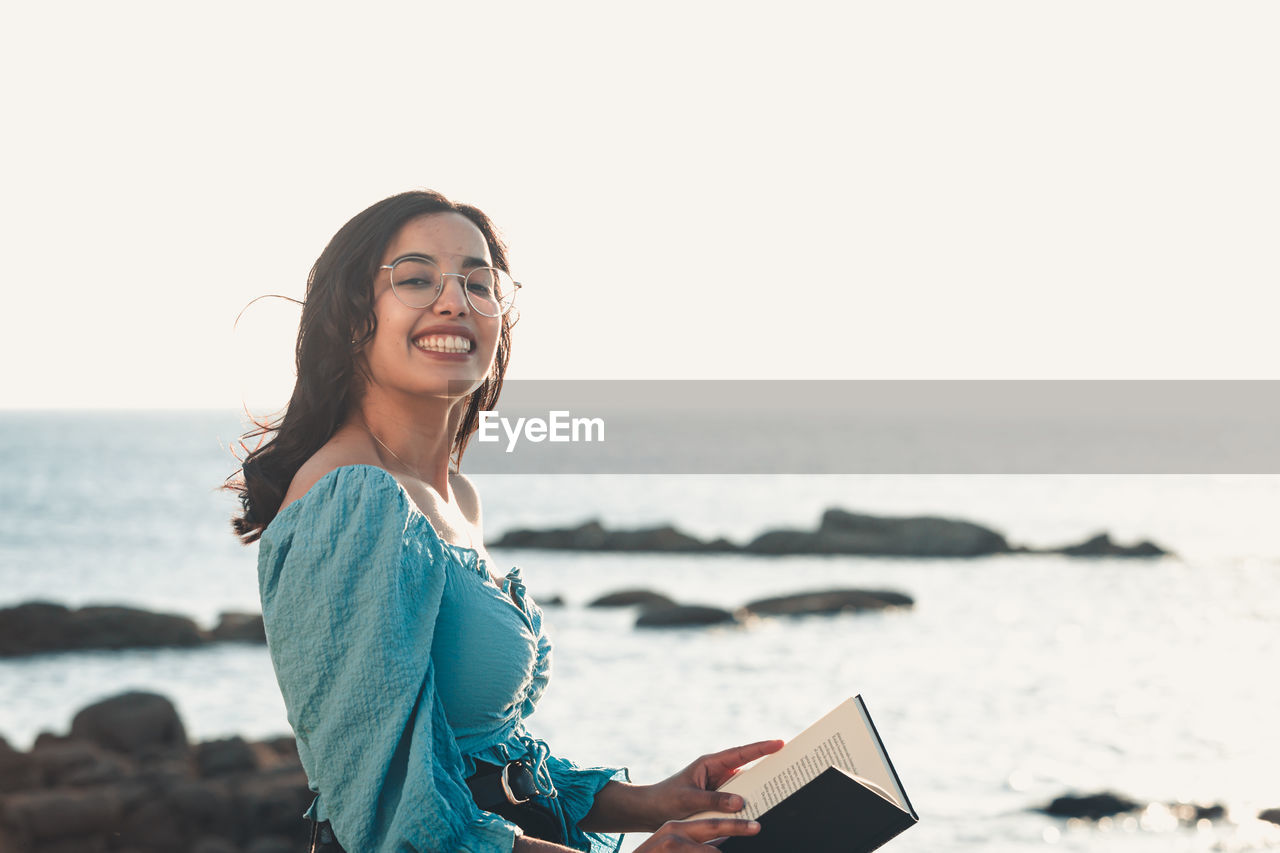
<point>835,813</point>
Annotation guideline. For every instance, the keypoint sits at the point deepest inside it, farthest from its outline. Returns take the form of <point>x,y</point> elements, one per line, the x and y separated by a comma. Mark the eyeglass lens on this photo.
<point>417,283</point>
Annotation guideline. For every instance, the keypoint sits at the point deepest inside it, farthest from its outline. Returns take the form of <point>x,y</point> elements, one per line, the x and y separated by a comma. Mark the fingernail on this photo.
<point>753,825</point>
<point>735,803</point>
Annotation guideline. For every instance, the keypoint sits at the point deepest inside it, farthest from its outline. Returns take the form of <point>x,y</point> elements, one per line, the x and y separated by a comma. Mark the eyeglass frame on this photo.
<point>515,285</point>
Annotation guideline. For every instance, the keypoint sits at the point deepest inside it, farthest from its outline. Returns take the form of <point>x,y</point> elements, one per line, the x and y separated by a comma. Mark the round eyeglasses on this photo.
<point>417,283</point>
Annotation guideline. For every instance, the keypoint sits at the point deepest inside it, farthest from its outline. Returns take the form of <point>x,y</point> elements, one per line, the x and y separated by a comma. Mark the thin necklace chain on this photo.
<point>470,541</point>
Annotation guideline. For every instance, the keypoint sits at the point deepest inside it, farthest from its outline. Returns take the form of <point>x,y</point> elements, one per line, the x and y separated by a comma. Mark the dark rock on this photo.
<point>233,755</point>
<point>779,542</point>
<point>154,827</point>
<point>132,723</point>
<point>829,601</point>
<point>79,845</point>
<point>632,597</point>
<point>1195,812</point>
<point>17,771</point>
<point>681,615</point>
<point>75,763</point>
<point>126,782</point>
<point>41,815</point>
<point>1091,806</point>
<point>585,537</point>
<point>842,532</point>
<point>213,844</point>
<point>839,532</point>
<point>924,536</point>
<point>271,805</point>
<point>240,628</point>
<point>272,844</point>
<point>593,536</point>
<point>45,739</point>
<point>1102,546</point>
<point>284,746</point>
<point>1270,815</point>
<point>43,627</point>
<point>665,538</point>
<point>553,601</point>
<point>203,806</point>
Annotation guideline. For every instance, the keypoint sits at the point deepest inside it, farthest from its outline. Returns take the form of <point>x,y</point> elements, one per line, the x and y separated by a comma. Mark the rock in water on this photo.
<point>132,723</point>
<point>44,627</point>
<point>1091,806</point>
<point>682,615</point>
<point>593,536</point>
<point>844,532</point>
<point>830,601</point>
<point>632,597</point>
<point>240,628</point>
<point>1102,546</point>
<point>219,757</point>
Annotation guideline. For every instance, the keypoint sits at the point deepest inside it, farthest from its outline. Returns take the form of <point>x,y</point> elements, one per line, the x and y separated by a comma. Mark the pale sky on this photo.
<point>690,190</point>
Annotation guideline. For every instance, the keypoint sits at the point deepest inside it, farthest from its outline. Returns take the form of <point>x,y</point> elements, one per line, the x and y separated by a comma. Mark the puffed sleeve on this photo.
<point>351,589</point>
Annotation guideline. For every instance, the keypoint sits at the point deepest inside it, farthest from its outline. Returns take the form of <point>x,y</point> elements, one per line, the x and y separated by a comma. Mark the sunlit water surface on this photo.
<point>1013,680</point>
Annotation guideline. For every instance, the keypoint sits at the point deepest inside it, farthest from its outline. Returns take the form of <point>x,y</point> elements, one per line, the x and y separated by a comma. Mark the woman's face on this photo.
<point>446,349</point>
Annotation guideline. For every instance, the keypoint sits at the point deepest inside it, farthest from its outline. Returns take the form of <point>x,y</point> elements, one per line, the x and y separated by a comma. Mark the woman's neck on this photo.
<point>415,440</point>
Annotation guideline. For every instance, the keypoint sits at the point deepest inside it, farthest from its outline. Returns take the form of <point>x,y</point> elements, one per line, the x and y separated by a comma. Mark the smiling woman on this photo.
<point>407,666</point>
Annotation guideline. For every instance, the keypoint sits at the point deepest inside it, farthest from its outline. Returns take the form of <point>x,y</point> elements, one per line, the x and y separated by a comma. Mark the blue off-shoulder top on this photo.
<point>403,662</point>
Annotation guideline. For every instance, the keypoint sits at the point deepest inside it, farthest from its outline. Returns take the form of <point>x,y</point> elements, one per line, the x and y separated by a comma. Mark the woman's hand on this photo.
<point>623,807</point>
<point>689,835</point>
<point>692,790</point>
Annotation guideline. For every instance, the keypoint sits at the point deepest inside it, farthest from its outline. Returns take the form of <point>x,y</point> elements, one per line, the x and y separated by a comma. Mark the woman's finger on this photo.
<point>706,829</point>
<point>720,765</point>
<point>712,801</point>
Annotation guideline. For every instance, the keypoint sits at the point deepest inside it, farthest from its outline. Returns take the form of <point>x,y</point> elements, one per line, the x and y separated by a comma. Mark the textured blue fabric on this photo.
<point>402,662</point>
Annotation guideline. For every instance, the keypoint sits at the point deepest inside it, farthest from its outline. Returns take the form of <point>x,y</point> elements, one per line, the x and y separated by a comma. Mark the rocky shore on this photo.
<point>40,626</point>
<point>1106,805</point>
<point>657,610</point>
<point>125,778</point>
<point>838,532</point>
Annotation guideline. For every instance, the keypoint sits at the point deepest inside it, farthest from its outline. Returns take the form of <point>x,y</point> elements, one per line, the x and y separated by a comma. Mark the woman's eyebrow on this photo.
<point>467,260</point>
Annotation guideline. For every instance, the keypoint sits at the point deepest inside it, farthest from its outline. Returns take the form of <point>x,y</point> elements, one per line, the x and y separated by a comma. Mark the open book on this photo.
<point>831,788</point>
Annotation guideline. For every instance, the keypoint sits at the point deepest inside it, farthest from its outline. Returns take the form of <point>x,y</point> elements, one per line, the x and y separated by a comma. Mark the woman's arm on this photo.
<point>622,807</point>
<point>672,836</point>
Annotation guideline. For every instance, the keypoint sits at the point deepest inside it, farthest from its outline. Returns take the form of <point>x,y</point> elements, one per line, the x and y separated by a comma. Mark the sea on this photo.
<point>1013,680</point>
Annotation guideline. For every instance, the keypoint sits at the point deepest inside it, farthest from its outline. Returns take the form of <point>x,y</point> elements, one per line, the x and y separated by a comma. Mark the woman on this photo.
<point>407,668</point>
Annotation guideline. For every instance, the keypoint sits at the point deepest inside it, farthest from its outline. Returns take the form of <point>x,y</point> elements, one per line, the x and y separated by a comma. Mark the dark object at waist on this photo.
<point>508,791</point>
<point>493,785</point>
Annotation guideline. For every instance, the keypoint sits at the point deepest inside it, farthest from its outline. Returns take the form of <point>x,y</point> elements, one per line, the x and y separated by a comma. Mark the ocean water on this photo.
<point>1013,680</point>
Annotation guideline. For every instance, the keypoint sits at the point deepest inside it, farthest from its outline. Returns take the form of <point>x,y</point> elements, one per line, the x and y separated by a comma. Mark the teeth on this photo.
<point>443,343</point>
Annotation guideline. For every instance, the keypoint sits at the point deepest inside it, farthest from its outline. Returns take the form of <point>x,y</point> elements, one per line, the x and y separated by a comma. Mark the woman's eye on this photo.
<point>481,289</point>
<point>417,282</point>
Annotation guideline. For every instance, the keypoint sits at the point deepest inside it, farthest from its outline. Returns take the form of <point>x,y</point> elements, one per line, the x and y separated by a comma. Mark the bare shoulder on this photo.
<point>339,451</point>
<point>464,491</point>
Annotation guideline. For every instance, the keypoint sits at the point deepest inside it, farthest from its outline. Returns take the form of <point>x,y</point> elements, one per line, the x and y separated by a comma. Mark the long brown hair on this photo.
<point>337,321</point>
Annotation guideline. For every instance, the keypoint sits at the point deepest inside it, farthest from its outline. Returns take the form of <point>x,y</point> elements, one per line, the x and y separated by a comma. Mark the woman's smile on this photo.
<point>449,339</point>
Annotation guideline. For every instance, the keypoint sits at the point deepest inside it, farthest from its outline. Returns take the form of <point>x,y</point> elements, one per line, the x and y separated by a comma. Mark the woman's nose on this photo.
<point>453,297</point>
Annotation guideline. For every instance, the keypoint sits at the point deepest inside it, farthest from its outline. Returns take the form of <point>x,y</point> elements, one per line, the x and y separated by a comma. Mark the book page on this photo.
<point>842,739</point>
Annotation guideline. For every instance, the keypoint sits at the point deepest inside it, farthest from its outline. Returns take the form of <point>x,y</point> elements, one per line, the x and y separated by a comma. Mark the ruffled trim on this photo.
<point>578,787</point>
<point>570,790</point>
